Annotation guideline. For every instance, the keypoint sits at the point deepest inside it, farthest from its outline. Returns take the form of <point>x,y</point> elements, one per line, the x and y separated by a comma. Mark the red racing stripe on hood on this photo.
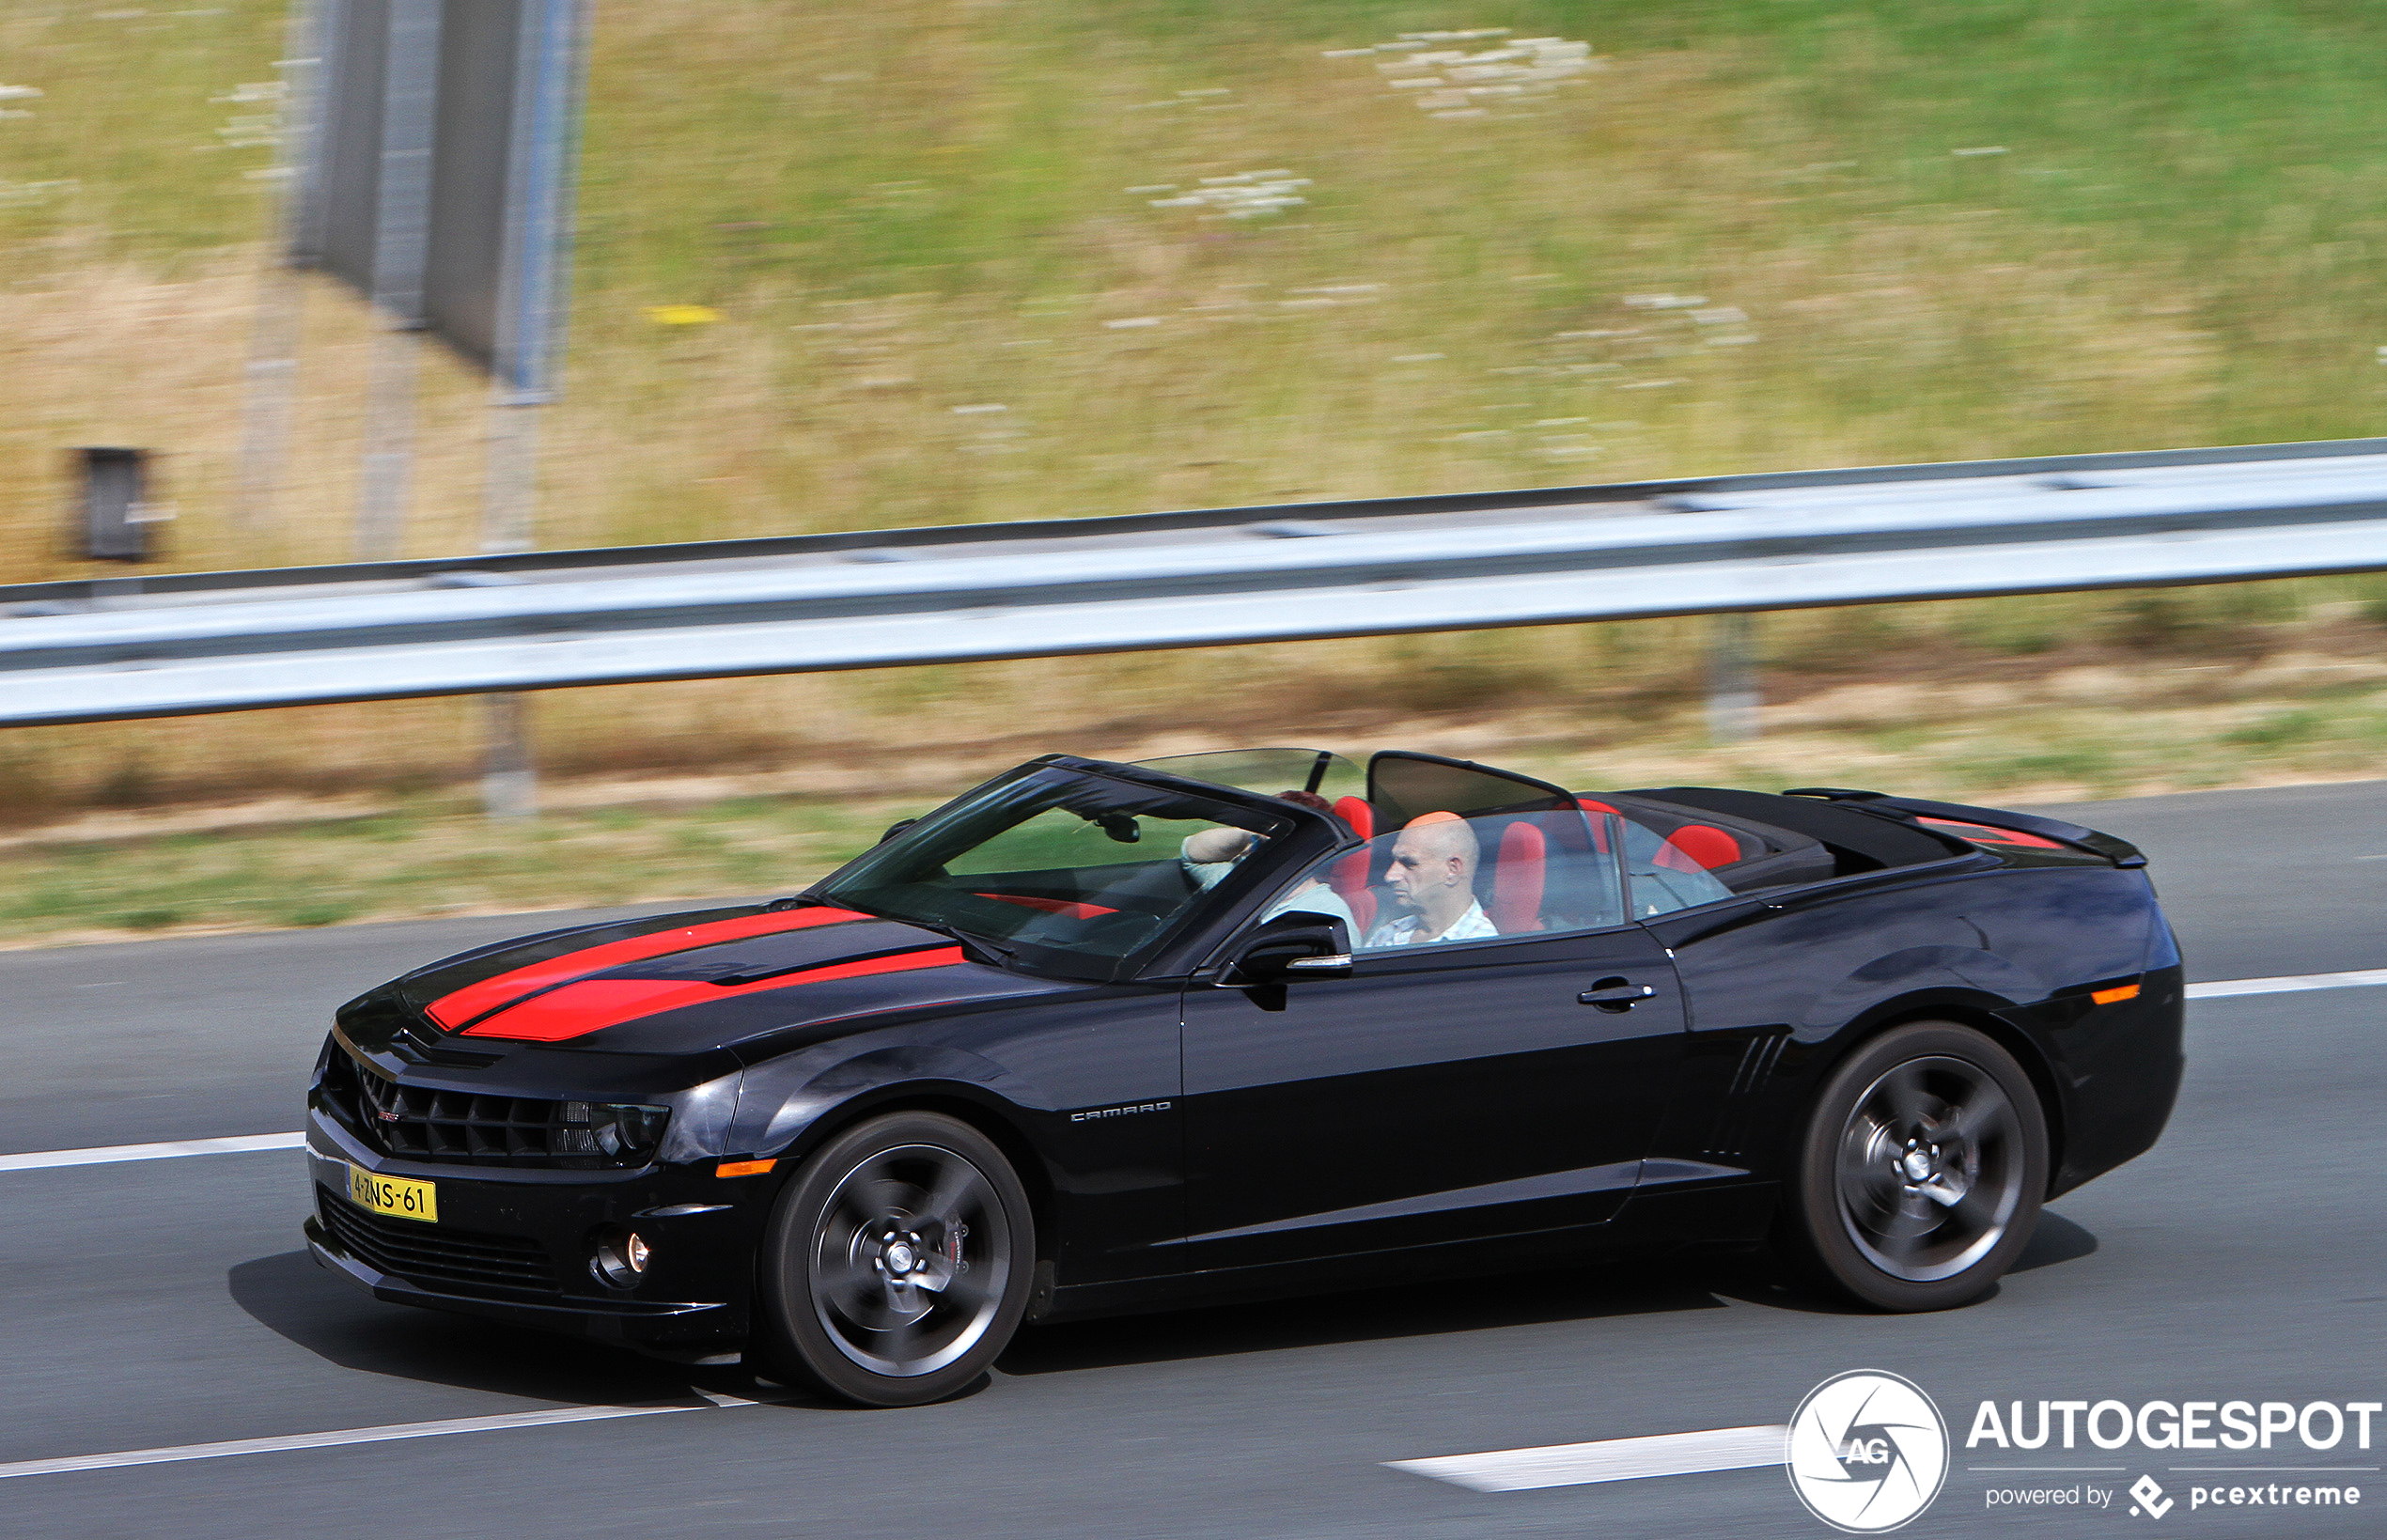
<point>575,1010</point>
<point>450,1011</point>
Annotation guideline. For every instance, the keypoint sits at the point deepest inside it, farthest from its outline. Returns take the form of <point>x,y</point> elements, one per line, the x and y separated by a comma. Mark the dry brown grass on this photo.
<point>905,209</point>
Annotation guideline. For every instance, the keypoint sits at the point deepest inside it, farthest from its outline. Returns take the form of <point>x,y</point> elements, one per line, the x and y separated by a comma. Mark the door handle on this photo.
<point>1616,994</point>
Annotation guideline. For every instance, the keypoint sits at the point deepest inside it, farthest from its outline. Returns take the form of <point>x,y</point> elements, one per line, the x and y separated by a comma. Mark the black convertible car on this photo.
<point>1098,1037</point>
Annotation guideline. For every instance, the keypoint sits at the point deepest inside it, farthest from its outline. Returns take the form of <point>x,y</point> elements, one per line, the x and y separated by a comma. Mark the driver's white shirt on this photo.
<point>1473,926</point>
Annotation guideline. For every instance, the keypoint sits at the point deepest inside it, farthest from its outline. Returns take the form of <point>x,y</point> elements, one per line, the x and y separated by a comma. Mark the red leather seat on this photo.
<point>1349,876</point>
<point>1517,879</point>
<point>1697,847</point>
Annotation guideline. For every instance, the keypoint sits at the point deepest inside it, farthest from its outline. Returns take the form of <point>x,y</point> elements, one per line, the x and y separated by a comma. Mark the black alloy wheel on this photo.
<point>898,1263</point>
<point>1922,1171</point>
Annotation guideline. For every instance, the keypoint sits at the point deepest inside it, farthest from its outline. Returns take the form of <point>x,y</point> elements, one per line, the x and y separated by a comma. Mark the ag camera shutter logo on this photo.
<point>1868,1452</point>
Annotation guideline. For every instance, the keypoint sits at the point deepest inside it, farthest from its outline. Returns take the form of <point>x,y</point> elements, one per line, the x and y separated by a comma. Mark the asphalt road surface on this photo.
<point>160,1304</point>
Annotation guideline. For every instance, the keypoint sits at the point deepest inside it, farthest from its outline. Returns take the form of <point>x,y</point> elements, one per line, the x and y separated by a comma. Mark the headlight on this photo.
<point>609,1128</point>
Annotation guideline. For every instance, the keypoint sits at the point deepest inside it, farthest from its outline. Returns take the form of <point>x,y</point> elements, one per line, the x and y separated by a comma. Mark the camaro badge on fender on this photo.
<point>1119,1112</point>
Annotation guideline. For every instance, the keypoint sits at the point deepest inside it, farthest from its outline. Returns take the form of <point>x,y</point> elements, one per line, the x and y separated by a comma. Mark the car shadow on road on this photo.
<point>2055,1241</point>
<point>1474,1305</point>
<point>288,1295</point>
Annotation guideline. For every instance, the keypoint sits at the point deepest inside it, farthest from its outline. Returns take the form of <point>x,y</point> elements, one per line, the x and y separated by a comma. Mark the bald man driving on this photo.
<point>1433,880</point>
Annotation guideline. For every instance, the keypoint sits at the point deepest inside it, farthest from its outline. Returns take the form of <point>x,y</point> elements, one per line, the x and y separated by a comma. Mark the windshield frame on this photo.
<point>1298,836</point>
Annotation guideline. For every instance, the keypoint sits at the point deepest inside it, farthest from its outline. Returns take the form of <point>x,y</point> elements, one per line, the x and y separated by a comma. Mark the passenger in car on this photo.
<point>1432,878</point>
<point>1209,855</point>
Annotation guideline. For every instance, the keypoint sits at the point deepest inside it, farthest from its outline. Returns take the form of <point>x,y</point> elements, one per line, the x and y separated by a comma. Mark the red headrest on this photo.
<point>1699,845</point>
<point>1356,813</point>
<point>1517,880</point>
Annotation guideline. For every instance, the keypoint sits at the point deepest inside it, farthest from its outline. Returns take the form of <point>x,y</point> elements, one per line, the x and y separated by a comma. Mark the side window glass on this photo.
<point>1448,879</point>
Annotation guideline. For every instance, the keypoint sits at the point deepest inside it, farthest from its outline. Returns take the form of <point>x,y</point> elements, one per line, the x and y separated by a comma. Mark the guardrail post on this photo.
<point>1732,679</point>
<point>509,784</point>
<point>509,777</point>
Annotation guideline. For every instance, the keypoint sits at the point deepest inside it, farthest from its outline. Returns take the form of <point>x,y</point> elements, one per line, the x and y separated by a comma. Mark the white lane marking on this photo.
<point>109,1153</point>
<point>2288,984</point>
<point>330,1440</point>
<point>1609,1459</point>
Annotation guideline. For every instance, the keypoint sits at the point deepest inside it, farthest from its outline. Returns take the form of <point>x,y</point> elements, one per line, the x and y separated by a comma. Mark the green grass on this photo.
<point>432,857</point>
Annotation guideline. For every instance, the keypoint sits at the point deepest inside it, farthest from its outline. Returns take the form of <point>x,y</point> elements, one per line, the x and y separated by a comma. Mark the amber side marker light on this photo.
<point>756,1168</point>
<point>2102,997</point>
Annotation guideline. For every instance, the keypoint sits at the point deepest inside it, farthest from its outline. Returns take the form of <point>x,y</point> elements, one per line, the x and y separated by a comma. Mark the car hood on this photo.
<point>686,982</point>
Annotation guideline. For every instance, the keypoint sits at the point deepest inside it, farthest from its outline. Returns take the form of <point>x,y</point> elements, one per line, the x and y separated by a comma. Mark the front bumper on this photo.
<point>516,1245</point>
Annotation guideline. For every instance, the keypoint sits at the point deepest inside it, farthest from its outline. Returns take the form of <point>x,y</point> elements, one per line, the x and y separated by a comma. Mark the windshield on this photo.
<point>1064,869</point>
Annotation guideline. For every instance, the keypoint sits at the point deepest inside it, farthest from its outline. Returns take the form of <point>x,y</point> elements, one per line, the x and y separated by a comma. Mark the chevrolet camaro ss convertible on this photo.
<point>1097,1037</point>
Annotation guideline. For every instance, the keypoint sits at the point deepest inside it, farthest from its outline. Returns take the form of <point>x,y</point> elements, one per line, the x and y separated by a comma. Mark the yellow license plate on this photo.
<point>408,1200</point>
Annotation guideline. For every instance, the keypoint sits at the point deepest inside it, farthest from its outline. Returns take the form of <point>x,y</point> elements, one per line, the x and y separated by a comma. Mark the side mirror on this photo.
<point>896,828</point>
<point>1290,947</point>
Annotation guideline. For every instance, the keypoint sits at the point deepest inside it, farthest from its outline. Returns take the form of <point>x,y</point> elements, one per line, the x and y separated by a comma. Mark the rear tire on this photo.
<point>1921,1170</point>
<point>897,1265</point>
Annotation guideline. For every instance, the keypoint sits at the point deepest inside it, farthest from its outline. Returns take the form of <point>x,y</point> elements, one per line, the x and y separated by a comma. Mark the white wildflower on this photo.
<point>1454,82</point>
<point>1247,195</point>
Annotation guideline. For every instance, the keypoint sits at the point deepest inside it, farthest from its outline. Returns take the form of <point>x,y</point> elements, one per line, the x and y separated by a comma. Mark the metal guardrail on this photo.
<point>121,648</point>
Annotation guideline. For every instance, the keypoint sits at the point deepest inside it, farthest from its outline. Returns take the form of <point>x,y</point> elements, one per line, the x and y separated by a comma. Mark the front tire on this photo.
<point>898,1263</point>
<point>1922,1170</point>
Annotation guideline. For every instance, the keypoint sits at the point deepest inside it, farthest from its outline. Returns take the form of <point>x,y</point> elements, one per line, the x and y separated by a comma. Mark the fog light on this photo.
<point>621,1258</point>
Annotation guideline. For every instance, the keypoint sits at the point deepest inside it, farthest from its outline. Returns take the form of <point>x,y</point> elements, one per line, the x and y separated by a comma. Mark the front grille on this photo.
<point>433,1254</point>
<point>465,1128</point>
